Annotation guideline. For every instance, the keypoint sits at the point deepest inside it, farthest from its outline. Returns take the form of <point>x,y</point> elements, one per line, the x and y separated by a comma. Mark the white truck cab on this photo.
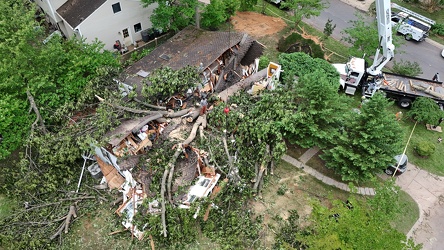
<point>351,74</point>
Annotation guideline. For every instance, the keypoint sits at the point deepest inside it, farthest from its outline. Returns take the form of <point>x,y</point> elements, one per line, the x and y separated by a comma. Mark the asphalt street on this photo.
<point>428,55</point>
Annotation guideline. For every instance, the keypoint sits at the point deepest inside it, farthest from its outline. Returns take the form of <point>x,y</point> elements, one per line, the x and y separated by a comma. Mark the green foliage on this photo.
<point>386,203</point>
<point>362,37</point>
<point>425,148</point>
<point>407,68</point>
<point>282,189</point>
<point>247,5</point>
<point>240,227</point>
<point>139,54</point>
<point>299,64</point>
<point>172,15</point>
<point>303,9</point>
<point>263,62</point>
<point>296,43</point>
<point>438,29</point>
<point>54,73</point>
<point>329,28</point>
<point>425,110</point>
<point>287,238</point>
<point>369,141</point>
<point>214,14</point>
<point>165,82</point>
<point>351,229</point>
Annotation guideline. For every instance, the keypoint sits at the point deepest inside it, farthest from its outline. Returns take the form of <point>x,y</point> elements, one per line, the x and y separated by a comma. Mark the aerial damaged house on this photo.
<point>222,58</point>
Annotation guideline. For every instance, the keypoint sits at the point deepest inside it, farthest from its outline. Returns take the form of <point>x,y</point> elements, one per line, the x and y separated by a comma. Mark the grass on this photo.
<point>6,206</point>
<point>407,215</point>
<point>300,190</point>
<point>432,164</point>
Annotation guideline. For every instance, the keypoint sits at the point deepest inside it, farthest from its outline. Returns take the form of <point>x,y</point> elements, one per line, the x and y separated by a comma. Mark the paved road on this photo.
<point>426,54</point>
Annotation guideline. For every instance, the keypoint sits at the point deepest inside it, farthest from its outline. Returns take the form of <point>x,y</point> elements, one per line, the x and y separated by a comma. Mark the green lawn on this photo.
<point>6,206</point>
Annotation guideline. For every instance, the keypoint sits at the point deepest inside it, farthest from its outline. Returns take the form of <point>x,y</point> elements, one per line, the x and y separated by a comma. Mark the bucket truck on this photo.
<point>404,90</point>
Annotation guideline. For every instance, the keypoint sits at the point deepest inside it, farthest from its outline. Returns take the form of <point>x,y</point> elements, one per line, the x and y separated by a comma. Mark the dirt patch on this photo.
<point>257,25</point>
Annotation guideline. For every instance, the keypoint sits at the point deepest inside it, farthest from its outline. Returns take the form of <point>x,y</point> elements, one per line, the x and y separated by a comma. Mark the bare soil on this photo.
<point>256,24</point>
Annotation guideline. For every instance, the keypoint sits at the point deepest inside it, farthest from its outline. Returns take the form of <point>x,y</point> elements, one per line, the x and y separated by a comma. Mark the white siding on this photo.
<point>107,27</point>
<point>50,7</point>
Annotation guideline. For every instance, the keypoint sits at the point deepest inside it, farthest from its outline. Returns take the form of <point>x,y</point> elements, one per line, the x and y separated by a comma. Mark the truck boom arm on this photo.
<point>383,14</point>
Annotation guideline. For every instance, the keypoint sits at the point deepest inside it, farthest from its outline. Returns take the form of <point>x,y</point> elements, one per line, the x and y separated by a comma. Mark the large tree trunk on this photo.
<point>171,166</point>
<point>137,128</point>
<point>201,120</point>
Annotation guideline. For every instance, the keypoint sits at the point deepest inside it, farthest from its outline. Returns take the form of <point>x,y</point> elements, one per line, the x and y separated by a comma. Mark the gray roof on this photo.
<point>75,11</point>
<point>191,46</point>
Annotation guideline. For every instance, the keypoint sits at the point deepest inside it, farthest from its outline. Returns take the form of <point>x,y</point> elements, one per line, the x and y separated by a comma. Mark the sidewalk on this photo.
<point>426,189</point>
<point>301,164</point>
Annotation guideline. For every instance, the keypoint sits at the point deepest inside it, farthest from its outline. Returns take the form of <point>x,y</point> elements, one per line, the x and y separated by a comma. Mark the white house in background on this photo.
<point>105,20</point>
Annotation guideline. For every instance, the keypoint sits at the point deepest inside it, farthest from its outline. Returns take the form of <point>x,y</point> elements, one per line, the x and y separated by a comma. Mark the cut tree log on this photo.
<point>71,213</point>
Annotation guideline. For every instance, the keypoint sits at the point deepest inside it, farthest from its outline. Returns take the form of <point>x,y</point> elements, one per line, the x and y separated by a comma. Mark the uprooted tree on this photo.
<point>243,140</point>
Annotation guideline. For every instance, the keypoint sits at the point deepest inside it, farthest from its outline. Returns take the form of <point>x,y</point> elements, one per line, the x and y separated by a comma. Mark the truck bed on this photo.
<point>431,89</point>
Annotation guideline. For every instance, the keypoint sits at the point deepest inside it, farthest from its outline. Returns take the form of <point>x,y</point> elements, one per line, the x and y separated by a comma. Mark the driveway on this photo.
<point>428,191</point>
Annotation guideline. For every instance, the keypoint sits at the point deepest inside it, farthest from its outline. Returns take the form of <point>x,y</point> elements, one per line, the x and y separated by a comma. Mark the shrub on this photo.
<point>438,29</point>
<point>425,148</point>
<point>407,68</point>
<point>263,62</point>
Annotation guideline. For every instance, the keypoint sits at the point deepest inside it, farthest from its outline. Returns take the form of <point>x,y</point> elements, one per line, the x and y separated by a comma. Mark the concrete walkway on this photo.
<point>426,189</point>
<point>301,163</point>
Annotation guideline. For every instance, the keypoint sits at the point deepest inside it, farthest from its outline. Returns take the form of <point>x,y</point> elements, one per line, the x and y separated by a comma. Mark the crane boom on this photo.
<point>383,15</point>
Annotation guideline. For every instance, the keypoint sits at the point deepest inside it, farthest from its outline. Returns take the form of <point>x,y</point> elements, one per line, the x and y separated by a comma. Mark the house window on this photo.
<point>116,7</point>
<point>137,27</point>
<point>125,33</point>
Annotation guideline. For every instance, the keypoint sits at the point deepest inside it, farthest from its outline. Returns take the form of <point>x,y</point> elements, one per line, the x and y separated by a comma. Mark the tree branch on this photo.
<point>37,112</point>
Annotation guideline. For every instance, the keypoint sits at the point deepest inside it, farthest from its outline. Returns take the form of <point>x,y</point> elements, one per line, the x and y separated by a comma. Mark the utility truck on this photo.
<point>411,25</point>
<point>355,75</point>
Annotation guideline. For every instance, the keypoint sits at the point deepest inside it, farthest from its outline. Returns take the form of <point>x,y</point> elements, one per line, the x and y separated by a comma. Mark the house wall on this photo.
<point>50,7</point>
<point>107,26</point>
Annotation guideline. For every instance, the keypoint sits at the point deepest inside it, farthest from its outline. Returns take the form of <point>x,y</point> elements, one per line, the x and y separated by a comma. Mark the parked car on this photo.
<point>442,53</point>
<point>402,160</point>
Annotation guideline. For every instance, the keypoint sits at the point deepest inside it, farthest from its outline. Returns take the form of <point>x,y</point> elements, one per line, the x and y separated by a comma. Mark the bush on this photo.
<point>425,148</point>
<point>296,43</point>
<point>438,29</point>
<point>407,68</point>
<point>263,62</point>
